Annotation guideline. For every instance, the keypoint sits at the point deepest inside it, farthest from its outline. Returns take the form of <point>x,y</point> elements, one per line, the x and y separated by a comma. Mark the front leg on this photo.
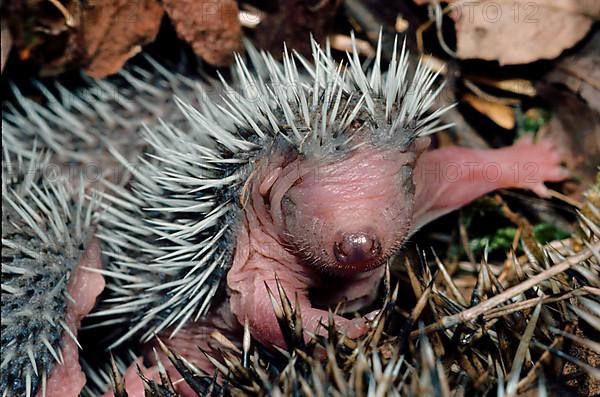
<point>449,178</point>
<point>251,302</point>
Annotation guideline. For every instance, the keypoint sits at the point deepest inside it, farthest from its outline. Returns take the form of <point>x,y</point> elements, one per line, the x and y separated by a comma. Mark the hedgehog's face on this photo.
<point>350,215</point>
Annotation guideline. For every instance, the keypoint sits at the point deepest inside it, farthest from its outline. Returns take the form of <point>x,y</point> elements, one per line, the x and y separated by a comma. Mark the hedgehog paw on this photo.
<point>538,162</point>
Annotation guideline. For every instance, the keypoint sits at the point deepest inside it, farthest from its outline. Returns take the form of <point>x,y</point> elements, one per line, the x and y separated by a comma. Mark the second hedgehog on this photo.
<point>309,180</point>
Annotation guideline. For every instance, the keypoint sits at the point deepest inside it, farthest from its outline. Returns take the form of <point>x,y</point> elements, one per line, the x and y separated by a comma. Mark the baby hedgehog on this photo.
<point>53,151</point>
<point>46,240</point>
<point>310,173</point>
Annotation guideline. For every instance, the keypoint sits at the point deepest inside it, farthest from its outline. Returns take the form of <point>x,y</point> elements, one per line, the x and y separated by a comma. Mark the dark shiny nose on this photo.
<point>357,248</point>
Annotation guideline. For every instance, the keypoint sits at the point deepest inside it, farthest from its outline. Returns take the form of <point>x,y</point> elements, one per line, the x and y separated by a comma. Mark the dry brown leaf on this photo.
<point>518,32</point>
<point>100,35</point>
<point>590,8</point>
<point>500,114</point>
<point>114,31</point>
<point>211,27</point>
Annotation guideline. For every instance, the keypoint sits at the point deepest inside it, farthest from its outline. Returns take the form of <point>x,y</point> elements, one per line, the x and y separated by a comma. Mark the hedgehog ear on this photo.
<point>421,144</point>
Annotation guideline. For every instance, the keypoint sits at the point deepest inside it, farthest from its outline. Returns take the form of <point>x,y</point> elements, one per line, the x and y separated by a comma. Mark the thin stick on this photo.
<point>477,310</point>
<point>517,306</point>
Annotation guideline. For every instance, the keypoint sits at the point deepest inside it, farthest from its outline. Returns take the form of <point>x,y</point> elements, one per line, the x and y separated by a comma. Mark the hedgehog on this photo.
<point>47,247</point>
<point>310,172</point>
<point>53,153</point>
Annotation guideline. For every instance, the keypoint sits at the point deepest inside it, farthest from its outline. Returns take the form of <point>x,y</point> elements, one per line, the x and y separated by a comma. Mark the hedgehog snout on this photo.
<point>357,250</point>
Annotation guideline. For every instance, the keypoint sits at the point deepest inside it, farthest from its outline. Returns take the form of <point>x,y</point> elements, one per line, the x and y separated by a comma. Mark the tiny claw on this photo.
<point>540,162</point>
<point>541,190</point>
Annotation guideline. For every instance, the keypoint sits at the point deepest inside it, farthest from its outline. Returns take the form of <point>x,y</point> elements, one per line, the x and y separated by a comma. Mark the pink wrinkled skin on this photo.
<point>68,379</point>
<point>351,194</point>
<point>328,200</point>
<point>296,212</point>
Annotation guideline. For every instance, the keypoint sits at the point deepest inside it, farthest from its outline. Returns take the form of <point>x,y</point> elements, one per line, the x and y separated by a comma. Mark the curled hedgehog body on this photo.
<point>307,172</point>
<point>173,234</point>
<point>54,152</point>
<point>46,231</point>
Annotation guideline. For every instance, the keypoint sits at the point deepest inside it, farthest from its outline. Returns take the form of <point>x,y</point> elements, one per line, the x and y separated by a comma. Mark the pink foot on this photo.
<point>536,163</point>
<point>449,178</point>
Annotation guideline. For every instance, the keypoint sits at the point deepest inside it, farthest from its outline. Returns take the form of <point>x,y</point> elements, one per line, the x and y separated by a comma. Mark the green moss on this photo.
<point>503,238</point>
<point>532,120</point>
